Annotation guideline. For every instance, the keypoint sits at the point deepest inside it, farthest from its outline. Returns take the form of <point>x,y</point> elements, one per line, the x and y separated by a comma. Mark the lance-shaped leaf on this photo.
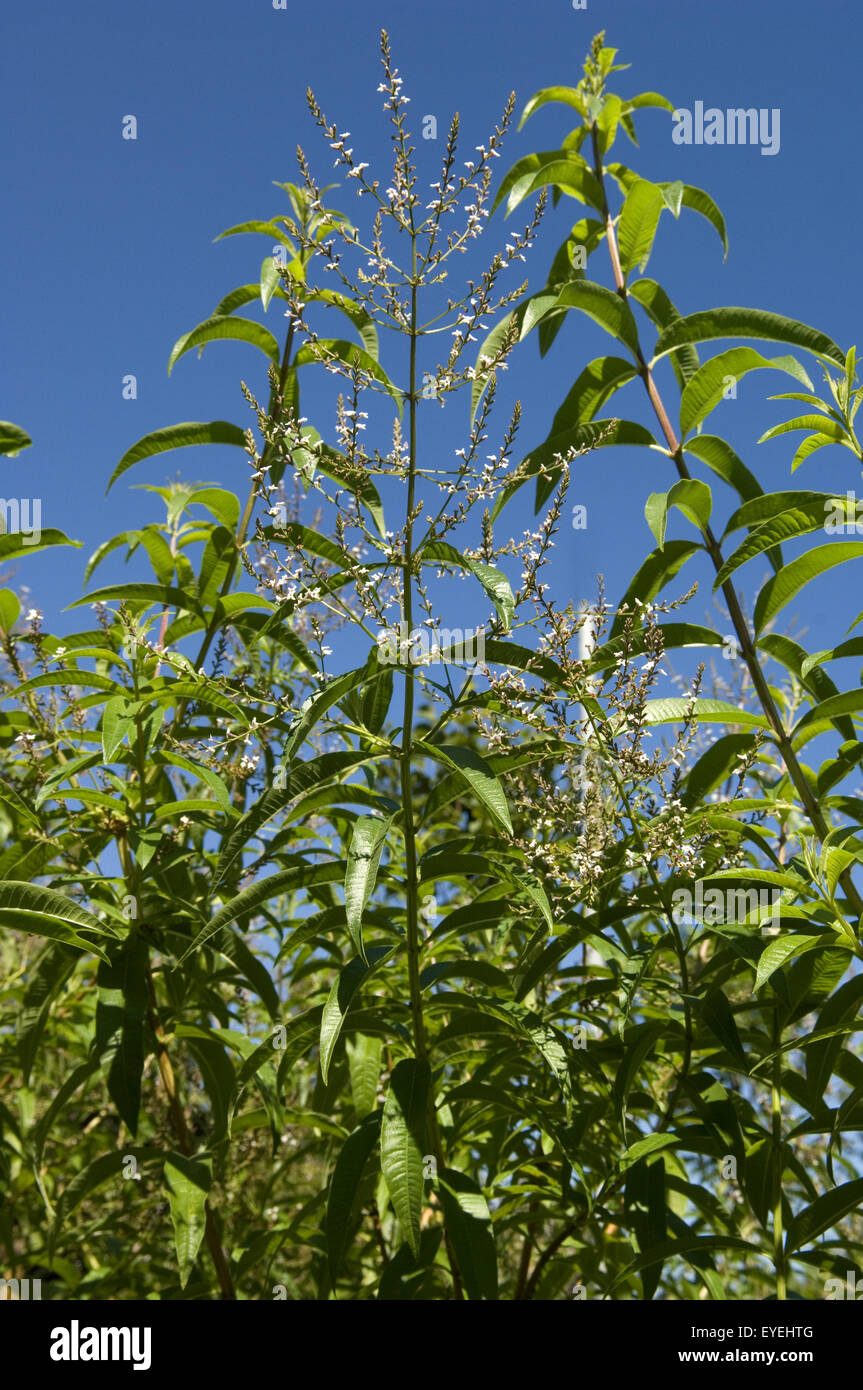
<point>781,950</point>
<point>338,1002</point>
<point>108,1165</point>
<point>656,571</point>
<point>638,223</point>
<point>701,202</point>
<point>735,322</point>
<point>593,434</point>
<point>569,96</point>
<point>705,711</point>
<point>659,308</point>
<point>364,1063</point>
<point>362,321</point>
<point>177,437</point>
<point>188,1182</point>
<point>564,170</point>
<point>403,1143</point>
<point>46,977</point>
<point>786,585</point>
<point>605,307</point>
<point>120,1012</point>
<point>786,524</point>
<point>823,1214</point>
<point>19,543</point>
<point>30,908</point>
<point>13,439</point>
<point>270,229</point>
<point>469,1227</point>
<point>225,326</point>
<point>269,280</point>
<point>493,580</point>
<point>476,773</point>
<point>592,388</point>
<point>831,430</point>
<point>344,1186</point>
<point>364,857</point>
<point>707,387</point>
<point>690,495</point>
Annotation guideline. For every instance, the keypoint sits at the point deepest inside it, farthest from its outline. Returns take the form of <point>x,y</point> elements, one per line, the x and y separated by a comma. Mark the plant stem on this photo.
<point>184,1140</point>
<point>778,1165</point>
<point>714,550</point>
<point>405,768</point>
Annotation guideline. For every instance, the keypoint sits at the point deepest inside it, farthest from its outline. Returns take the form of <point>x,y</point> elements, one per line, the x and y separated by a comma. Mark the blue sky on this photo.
<point>108,255</point>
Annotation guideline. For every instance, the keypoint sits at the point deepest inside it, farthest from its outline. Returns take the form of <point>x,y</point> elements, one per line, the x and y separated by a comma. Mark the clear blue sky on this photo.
<point>107,253</point>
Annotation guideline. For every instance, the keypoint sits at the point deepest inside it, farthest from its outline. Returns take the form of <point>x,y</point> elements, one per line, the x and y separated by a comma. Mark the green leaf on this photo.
<point>99,1171</point>
<point>717,1014</point>
<point>120,1011</point>
<point>654,300</point>
<point>780,951</point>
<point>164,595</point>
<point>828,429</point>
<point>117,726</point>
<point>46,977</point>
<point>403,1144</point>
<point>690,495</point>
<point>493,580</point>
<point>225,326</point>
<point>849,702</point>
<point>786,585</point>
<point>722,460</point>
<point>270,229</point>
<point>564,170</point>
<point>338,1002</point>
<point>715,766</point>
<point>178,437</point>
<point>785,524</point>
<point>362,321</point>
<point>344,1186</point>
<point>30,908</point>
<point>364,856</point>
<point>188,1182</point>
<point>13,439</point>
<point>659,567</point>
<point>269,280</point>
<point>364,1065</point>
<point>340,350</point>
<point>594,434</point>
<point>746,323</point>
<point>476,773</point>
<point>701,202</point>
<point>592,388</point>
<point>647,99</point>
<point>639,220</point>
<point>605,307</point>
<point>824,1213</point>
<point>569,96</point>
<point>469,1227</point>
<point>652,1144</point>
<point>316,706</point>
<point>707,387</point>
<point>705,711</point>
<point>10,609</point>
<point>19,543</point>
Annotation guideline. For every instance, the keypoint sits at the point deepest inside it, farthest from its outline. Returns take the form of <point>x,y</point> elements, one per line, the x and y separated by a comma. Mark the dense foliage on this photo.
<point>350,953</point>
